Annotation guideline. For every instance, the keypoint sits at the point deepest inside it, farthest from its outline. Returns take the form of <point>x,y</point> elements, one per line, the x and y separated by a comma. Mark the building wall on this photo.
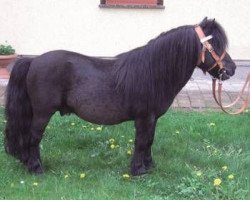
<point>36,26</point>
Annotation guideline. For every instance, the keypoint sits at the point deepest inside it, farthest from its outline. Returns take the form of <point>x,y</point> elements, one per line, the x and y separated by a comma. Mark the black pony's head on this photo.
<point>219,43</point>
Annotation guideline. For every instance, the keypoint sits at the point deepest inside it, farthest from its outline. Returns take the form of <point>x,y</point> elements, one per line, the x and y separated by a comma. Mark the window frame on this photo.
<point>158,5</point>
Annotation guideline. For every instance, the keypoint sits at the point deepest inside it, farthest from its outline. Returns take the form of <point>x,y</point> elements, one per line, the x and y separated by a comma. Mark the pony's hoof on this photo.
<point>35,167</point>
<point>38,171</point>
<point>149,165</point>
<point>138,171</point>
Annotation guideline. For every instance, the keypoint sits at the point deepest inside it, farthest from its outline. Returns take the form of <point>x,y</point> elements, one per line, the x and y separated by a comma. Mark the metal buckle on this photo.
<point>213,78</point>
<point>220,78</point>
<point>211,49</point>
<point>221,71</point>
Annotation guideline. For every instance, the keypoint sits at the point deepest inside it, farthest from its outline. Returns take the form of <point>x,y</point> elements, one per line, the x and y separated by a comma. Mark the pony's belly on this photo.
<point>101,115</point>
<point>97,103</point>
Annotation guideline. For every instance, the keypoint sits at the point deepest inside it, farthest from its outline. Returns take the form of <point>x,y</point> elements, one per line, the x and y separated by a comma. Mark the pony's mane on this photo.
<point>166,63</point>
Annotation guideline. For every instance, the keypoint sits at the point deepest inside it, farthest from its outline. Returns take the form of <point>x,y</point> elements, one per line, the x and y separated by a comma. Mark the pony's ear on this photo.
<point>204,20</point>
<point>213,22</point>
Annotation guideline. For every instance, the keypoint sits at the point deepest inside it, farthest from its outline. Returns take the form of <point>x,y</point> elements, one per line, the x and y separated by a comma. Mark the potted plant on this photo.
<point>7,55</point>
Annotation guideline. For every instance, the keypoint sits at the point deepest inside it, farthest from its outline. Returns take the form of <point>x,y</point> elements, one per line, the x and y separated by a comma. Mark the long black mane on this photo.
<point>165,63</point>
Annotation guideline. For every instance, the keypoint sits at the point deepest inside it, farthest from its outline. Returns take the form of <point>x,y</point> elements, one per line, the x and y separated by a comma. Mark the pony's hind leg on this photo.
<point>39,123</point>
<point>142,159</point>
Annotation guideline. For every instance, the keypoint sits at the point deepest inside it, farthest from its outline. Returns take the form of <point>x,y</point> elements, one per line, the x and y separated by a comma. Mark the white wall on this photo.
<point>37,26</point>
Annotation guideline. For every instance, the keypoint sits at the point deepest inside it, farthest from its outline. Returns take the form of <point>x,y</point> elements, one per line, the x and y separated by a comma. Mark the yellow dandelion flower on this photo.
<point>246,110</point>
<point>177,132</point>
<point>224,168</point>
<point>99,128</point>
<point>129,152</point>
<point>131,141</point>
<point>82,175</point>
<point>199,173</point>
<point>212,124</point>
<point>217,182</point>
<point>66,176</point>
<point>230,177</point>
<point>92,129</point>
<point>72,124</point>
<point>126,176</point>
<point>112,146</point>
<point>35,184</point>
<point>111,140</point>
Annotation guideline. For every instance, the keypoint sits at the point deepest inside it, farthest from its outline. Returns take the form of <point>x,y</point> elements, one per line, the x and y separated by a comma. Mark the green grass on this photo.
<point>190,150</point>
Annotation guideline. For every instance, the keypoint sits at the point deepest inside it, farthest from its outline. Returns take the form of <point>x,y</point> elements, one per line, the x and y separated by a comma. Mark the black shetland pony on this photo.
<point>138,85</point>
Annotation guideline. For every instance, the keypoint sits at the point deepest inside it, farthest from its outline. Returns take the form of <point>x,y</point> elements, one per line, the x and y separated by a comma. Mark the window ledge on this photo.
<point>132,6</point>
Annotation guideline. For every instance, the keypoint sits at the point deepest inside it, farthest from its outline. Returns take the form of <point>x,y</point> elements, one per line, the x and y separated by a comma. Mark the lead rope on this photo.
<point>246,101</point>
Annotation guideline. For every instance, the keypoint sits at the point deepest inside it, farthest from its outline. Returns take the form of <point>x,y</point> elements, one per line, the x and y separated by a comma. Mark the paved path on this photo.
<point>196,94</point>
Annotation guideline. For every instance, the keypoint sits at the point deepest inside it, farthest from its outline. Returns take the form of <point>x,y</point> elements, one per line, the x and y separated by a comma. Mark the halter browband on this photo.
<point>209,47</point>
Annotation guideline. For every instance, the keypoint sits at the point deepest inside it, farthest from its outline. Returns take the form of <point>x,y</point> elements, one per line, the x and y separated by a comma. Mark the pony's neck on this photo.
<point>177,53</point>
<point>160,68</point>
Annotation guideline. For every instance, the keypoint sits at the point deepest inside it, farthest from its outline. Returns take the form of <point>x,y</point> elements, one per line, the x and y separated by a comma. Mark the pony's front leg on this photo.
<point>142,159</point>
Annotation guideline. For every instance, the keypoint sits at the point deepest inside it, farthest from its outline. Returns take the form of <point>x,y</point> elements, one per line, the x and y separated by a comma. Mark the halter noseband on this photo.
<point>209,47</point>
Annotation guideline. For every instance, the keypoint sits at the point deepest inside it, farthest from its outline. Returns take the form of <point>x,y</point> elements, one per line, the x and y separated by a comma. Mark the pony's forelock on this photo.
<point>212,27</point>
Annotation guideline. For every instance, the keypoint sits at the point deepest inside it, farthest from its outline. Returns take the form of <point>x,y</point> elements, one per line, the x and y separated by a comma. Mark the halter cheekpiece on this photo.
<point>207,46</point>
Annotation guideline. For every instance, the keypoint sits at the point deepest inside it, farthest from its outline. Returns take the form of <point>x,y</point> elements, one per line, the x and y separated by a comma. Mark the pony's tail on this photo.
<point>18,112</point>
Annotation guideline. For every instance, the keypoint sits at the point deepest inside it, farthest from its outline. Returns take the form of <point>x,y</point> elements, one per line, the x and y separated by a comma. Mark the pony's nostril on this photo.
<point>230,72</point>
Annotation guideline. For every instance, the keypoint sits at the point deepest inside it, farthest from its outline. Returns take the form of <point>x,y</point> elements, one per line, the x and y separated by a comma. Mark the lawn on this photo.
<point>198,155</point>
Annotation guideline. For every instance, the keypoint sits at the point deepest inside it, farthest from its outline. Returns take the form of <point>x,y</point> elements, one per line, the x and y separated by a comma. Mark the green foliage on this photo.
<point>86,161</point>
<point>6,49</point>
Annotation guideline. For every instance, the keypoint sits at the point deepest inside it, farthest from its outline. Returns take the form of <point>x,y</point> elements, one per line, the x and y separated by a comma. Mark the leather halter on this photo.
<point>209,47</point>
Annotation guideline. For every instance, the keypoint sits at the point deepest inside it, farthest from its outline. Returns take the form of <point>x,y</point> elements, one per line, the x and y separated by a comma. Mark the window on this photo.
<point>131,4</point>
